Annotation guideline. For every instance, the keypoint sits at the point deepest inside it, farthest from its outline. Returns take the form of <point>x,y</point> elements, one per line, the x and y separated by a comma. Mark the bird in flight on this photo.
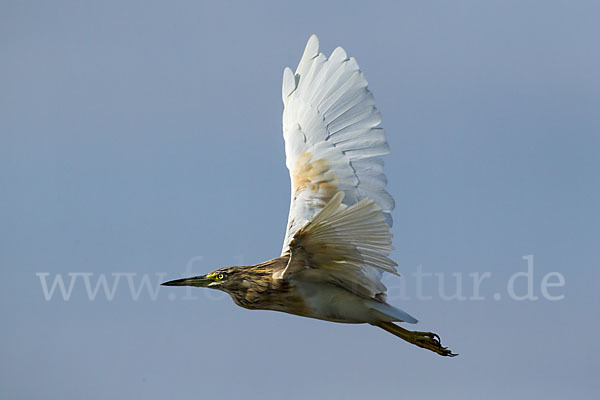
<point>338,239</point>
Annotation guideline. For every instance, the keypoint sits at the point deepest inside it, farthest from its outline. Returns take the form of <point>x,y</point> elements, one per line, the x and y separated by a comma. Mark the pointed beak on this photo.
<point>198,281</point>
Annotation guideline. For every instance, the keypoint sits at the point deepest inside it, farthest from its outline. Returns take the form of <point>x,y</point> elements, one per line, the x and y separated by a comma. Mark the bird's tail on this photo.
<point>386,312</point>
<point>426,340</point>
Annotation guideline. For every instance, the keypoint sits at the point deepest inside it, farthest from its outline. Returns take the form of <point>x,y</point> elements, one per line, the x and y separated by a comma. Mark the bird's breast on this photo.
<point>305,297</point>
<point>326,301</point>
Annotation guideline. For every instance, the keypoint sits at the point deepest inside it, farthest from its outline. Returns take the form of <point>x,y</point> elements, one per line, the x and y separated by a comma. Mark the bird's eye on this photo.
<point>221,276</point>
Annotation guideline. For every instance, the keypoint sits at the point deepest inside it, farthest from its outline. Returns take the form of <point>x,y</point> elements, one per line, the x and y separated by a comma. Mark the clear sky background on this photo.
<point>135,136</point>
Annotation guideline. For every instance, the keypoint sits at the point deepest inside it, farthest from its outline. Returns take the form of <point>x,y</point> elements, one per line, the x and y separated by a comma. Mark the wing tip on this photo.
<point>310,51</point>
<point>289,84</point>
<point>312,45</point>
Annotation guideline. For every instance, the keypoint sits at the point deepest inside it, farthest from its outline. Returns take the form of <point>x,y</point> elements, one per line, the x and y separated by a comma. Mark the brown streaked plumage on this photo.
<point>338,235</point>
<point>254,288</point>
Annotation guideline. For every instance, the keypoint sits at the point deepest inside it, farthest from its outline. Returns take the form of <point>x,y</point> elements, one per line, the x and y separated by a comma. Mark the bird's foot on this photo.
<point>426,340</point>
<point>430,341</point>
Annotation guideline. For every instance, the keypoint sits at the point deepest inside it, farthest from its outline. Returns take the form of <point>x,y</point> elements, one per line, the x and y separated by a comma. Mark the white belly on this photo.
<point>333,303</point>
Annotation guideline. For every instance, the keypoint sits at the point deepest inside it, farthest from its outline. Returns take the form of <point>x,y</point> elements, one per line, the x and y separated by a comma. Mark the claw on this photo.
<point>433,342</point>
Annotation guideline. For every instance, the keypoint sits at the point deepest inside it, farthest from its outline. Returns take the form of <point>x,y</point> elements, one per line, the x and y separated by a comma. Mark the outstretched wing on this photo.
<point>332,138</point>
<point>345,245</point>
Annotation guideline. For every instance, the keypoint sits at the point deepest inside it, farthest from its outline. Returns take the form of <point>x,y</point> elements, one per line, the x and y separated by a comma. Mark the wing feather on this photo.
<point>346,245</point>
<point>332,137</point>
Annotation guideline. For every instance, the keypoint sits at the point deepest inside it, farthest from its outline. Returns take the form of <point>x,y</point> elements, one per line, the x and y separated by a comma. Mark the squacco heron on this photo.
<point>338,238</point>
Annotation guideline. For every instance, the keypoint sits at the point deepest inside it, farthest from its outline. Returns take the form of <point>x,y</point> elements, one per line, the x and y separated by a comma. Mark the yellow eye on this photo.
<point>220,277</point>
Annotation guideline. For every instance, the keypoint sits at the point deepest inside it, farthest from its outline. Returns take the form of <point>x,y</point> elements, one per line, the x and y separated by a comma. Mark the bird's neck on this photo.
<point>255,286</point>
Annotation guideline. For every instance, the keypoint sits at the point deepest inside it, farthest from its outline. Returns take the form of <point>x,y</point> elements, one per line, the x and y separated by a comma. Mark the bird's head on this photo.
<point>222,279</point>
<point>246,285</point>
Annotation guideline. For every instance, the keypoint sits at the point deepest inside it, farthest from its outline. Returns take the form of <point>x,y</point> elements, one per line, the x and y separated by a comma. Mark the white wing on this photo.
<point>345,245</point>
<point>332,139</point>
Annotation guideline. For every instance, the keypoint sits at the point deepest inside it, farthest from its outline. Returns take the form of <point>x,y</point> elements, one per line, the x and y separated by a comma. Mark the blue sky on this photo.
<point>143,137</point>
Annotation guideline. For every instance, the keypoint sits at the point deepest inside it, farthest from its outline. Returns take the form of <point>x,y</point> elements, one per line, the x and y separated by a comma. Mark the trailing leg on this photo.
<point>426,340</point>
